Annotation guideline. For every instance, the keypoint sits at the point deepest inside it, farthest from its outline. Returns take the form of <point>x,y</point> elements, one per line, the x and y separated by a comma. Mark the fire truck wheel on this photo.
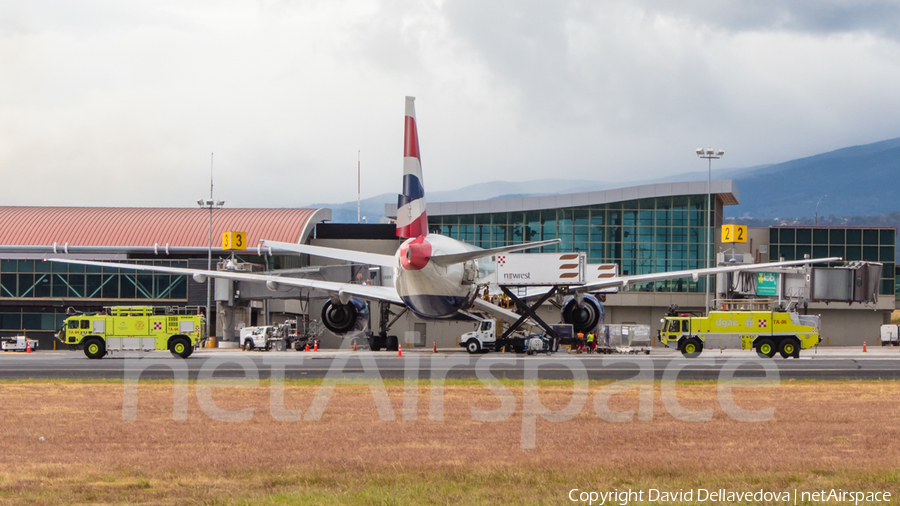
<point>180,347</point>
<point>692,347</point>
<point>95,348</point>
<point>790,347</point>
<point>765,348</point>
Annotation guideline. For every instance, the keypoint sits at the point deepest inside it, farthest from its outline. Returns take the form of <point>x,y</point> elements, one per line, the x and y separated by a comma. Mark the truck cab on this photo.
<point>482,339</point>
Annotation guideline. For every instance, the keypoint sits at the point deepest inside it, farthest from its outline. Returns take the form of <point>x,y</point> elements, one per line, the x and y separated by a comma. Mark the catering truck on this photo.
<point>487,336</point>
<point>135,328</point>
<point>768,332</point>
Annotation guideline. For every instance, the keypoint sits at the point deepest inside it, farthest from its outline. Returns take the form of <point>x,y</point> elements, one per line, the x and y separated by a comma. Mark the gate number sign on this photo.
<point>234,240</point>
<point>734,233</point>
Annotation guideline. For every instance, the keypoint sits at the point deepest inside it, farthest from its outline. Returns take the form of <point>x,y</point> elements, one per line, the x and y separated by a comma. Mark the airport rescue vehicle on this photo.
<point>768,332</point>
<point>135,328</point>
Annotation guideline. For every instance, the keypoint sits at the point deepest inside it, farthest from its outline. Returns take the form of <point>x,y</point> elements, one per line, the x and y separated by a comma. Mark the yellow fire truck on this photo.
<point>767,332</point>
<point>135,328</point>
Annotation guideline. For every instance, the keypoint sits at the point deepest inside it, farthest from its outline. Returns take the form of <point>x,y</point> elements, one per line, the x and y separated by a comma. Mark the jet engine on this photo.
<point>343,319</point>
<point>584,317</point>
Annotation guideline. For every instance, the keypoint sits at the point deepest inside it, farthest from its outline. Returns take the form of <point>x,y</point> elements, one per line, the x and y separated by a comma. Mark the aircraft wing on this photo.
<point>382,293</point>
<point>622,281</point>
<point>457,258</point>
<point>360,257</point>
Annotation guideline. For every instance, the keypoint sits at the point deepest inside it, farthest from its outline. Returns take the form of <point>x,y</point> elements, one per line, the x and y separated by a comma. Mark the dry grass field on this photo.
<point>823,435</point>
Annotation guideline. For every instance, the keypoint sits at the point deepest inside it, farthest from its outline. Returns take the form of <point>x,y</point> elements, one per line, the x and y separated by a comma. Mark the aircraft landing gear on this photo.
<point>382,339</point>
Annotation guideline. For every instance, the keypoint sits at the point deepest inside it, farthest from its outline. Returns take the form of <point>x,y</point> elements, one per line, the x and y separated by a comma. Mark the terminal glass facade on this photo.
<point>36,279</point>
<point>870,244</point>
<point>641,236</point>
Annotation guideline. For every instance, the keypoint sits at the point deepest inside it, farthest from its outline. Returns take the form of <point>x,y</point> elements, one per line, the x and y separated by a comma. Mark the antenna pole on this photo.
<point>208,316</point>
<point>358,186</point>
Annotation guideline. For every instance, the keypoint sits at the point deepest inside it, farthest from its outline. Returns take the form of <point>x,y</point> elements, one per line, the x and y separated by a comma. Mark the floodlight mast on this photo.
<point>209,204</point>
<point>709,154</point>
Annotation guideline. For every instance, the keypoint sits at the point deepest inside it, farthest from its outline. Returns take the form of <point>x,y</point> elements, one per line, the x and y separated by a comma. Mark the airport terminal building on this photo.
<point>642,229</point>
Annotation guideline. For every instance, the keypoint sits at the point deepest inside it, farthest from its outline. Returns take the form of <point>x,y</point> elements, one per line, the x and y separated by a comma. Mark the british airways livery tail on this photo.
<point>411,219</point>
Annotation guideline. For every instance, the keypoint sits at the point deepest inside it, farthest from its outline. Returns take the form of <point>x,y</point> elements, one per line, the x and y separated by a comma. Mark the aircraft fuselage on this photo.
<point>430,290</point>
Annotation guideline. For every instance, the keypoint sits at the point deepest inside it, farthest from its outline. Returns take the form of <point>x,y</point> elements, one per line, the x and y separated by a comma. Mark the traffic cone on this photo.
<point>434,347</point>
<point>864,347</point>
<point>399,350</point>
<point>307,346</point>
<point>316,345</point>
<point>354,345</point>
<point>27,346</point>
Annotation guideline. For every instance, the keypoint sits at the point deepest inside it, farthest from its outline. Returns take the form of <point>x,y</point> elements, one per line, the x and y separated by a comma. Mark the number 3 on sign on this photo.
<point>234,240</point>
<point>734,233</point>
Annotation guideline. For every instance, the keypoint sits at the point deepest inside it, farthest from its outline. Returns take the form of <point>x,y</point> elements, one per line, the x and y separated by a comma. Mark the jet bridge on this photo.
<point>847,282</point>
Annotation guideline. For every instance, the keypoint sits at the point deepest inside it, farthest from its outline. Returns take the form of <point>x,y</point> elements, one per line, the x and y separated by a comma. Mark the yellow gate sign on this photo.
<point>734,233</point>
<point>234,240</point>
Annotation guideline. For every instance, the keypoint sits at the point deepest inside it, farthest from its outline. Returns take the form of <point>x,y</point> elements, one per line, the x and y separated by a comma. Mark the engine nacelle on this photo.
<point>343,319</point>
<point>585,317</point>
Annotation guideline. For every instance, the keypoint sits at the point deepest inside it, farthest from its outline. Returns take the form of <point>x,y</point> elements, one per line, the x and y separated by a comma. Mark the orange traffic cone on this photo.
<point>864,347</point>
<point>354,345</point>
<point>399,350</point>
<point>307,346</point>
<point>27,346</point>
<point>316,345</point>
<point>434,347</point>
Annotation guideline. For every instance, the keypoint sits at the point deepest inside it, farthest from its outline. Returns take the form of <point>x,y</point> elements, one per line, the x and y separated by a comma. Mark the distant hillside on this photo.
<point>859,181</point>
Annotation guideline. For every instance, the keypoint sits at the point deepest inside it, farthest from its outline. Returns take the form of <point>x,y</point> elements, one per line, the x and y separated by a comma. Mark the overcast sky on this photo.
<point>117,103</point>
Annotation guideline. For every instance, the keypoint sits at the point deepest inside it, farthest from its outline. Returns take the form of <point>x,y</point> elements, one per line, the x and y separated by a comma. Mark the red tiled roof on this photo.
<point>146,226</point>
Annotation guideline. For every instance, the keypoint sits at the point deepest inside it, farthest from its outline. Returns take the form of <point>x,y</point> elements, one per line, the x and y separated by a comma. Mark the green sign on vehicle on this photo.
<point>767,284</point>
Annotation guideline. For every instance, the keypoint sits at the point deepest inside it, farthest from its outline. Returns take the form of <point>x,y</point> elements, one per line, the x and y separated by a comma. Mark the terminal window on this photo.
<point>641,236</point>
<point>36,279</point>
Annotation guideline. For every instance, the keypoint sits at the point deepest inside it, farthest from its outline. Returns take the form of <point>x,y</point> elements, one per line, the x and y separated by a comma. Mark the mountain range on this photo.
<point>854,181</point>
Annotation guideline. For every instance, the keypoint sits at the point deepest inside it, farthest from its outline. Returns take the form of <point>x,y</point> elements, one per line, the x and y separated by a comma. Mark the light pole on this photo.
<point>709,154</point>
<point>209,204</point>
<point>817,211</point>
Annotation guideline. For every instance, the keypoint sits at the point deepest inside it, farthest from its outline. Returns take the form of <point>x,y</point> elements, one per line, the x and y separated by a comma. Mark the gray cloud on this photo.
<point>114,103</point>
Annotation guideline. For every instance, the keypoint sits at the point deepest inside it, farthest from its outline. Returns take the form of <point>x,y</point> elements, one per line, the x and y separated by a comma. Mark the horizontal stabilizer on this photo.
<point>458,258</point>
<point>360,257</point>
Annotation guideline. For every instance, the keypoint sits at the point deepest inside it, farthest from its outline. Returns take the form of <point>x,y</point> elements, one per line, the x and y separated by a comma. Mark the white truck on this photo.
<point>485,338</point>
<point>890,335</point>
<point>17,343</point>
<point>263,338</point>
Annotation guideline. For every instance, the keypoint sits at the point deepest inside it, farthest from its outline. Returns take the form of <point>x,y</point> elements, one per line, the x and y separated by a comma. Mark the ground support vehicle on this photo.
<point>767,332</point>
<point>135,328</point>
<point>265,338</point>
<point>890,335</point>
<point>488,336</point>
<point>17,343</point>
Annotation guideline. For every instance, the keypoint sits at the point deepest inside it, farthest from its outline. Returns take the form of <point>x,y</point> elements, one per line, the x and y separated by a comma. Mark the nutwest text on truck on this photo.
<point>768,332</point>
<point>134,328</point>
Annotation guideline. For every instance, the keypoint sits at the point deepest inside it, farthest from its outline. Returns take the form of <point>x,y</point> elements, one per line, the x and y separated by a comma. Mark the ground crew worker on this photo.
<point>590,342</point>
<point>580,345</point>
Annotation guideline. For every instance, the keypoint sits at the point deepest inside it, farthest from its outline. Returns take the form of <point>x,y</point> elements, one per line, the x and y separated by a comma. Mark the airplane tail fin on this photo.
<point>411,218</point>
